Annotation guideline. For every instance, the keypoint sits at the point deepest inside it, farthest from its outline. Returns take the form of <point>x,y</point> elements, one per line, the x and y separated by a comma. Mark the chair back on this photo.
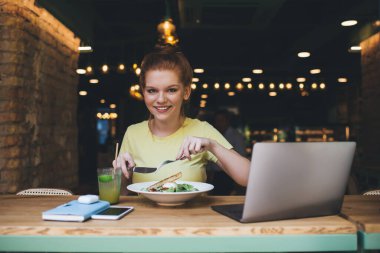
<point>44,192</point>
<point>372,192</point>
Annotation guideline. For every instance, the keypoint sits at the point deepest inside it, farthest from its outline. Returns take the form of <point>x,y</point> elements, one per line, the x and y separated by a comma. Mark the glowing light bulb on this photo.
<point>121,67</point>
<point>351,22</point>
<point>105,68</point>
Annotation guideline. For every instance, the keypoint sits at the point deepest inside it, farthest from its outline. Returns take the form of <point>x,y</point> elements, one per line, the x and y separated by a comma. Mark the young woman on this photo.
<point>168,134</point>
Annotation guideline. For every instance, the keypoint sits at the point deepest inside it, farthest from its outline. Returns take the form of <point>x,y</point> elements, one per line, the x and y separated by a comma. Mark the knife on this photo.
<point>144,169</point>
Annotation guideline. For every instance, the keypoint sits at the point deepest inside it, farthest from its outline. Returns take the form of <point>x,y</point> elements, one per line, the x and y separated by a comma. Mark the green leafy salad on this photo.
<point>173,187</point>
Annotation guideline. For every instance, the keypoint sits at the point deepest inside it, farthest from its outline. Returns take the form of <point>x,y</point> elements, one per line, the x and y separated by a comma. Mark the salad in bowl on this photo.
<point>170,191</point>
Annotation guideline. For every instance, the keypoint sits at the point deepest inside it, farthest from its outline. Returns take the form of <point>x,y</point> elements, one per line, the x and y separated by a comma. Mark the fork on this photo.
<point>167,162</point>
<point>150,169</point>
<point>164,163</point>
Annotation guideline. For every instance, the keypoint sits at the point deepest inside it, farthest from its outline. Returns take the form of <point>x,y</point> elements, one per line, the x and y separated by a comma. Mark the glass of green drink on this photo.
<point>109,184</point>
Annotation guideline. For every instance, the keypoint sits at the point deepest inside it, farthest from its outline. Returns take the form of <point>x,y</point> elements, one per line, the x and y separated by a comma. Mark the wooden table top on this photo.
<point>20,215</point>
<point>363,210</point>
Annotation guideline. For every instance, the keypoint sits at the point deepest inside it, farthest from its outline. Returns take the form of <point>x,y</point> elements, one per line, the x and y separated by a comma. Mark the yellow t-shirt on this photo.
<point>148,150</point>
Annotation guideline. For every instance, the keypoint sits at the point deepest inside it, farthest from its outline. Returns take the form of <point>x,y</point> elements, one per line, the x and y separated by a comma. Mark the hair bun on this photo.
<point>166,49</point>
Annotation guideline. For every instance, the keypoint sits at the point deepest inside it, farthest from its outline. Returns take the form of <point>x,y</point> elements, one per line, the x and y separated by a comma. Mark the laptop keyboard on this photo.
<point>234,211</point>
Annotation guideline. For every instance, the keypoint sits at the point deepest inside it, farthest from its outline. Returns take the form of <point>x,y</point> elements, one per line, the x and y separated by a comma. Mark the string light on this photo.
<point>272,94</point>
<point>85,49</point>
<point>342,80</point>
<point>227,86</point>
<point>239,86</point>
<point>121,67</point>
<point>135,93</point>
<point>83,93</point>
<point>134,89</point>
<point>81,71</point>
<point>105,68</point>
<point>301,79</point>
<point>89,69</point>
<point>351,22</point>
<point>257,71</point>
<point>354,49</point>
<point>315,71</point>
<point>107,115</point>
<point>303,54</point>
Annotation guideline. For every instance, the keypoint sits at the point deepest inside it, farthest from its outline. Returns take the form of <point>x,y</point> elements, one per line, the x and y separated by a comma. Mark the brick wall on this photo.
<point>369,134</point>
<point>38,99</point>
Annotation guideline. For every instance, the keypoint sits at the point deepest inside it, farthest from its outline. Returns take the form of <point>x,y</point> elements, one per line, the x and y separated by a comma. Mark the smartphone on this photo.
<point>113,213</point>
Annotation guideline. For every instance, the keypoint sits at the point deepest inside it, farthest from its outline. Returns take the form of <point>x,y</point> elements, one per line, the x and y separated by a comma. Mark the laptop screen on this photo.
<point>296,180</point>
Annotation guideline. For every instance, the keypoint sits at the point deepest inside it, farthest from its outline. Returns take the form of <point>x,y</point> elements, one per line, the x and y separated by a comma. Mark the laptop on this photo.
<point>294,180</point>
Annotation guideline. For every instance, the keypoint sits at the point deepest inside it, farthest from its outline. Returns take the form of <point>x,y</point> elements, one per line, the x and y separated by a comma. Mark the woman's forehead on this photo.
<point>154,76</point>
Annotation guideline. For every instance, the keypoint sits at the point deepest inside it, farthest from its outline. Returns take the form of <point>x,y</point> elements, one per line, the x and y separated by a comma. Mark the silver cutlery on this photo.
<point>151,169</point>
<point>144,169</point>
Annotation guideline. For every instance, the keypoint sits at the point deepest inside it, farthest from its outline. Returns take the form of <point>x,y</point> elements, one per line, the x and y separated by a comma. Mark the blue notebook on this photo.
<point>75,211</point>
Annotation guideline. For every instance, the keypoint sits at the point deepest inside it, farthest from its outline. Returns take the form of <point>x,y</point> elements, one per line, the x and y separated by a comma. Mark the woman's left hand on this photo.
<point>193,145</point>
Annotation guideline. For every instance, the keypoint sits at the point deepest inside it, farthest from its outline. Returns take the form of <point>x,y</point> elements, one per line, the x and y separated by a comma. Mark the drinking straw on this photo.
<point>116,151</point>
<point>116,154</point>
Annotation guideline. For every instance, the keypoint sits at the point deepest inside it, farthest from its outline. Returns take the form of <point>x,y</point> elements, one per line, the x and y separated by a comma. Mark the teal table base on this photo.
<point>369,241</point>
<point>259,243</point>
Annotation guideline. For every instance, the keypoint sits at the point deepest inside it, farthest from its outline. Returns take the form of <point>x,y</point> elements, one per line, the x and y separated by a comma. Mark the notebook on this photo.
<point>75,211</point>
<point>294,180</point>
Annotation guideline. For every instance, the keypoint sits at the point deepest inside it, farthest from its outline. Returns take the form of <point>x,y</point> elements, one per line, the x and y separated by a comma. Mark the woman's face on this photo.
<point>164,94</point>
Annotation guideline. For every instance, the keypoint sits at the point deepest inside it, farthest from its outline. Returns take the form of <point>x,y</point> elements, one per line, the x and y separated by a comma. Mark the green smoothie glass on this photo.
<point>109,180</point>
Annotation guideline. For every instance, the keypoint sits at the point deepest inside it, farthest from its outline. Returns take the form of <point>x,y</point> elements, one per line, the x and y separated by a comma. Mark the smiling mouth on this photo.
<point>162,108</point>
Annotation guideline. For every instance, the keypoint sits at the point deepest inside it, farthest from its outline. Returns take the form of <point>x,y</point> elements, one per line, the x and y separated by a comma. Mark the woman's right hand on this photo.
<point>125,161</point>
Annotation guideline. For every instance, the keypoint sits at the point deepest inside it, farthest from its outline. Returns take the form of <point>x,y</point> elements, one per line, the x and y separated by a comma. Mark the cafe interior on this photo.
<point>300,82</point>
<point>286,70</point>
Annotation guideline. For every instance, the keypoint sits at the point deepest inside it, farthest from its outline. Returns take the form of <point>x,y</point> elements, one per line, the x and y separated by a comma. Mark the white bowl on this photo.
<point>170,198</point>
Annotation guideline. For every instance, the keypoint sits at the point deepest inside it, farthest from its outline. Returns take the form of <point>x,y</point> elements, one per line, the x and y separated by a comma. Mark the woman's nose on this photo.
<point>161,97</point>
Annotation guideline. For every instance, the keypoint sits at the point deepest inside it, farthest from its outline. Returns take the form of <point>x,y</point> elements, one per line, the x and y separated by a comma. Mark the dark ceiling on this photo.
<point>227,38</point>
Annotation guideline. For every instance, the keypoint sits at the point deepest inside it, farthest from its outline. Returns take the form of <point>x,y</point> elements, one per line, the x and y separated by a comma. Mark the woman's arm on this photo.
<point>235,165</point>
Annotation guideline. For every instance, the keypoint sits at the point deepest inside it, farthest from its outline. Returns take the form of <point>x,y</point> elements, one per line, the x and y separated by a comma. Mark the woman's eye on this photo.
<point>172,90</point>
<point>150,90</point>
